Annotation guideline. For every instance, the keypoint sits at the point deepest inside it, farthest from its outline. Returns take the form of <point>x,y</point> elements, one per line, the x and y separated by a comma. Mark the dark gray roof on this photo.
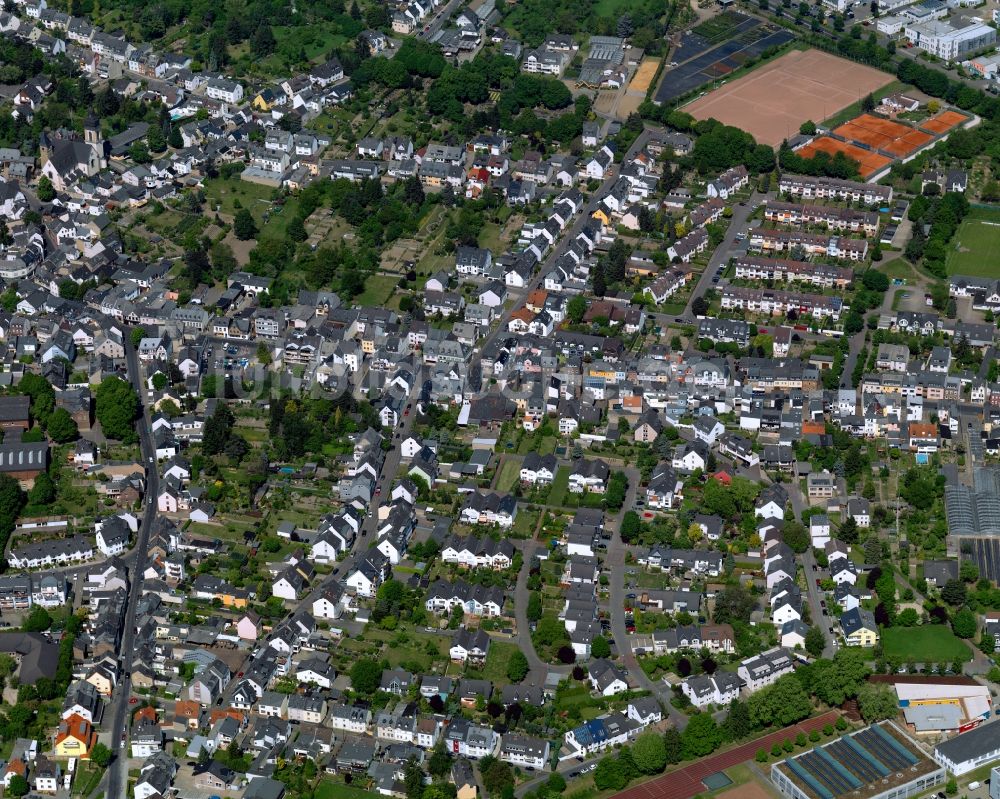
<point>973,744</point>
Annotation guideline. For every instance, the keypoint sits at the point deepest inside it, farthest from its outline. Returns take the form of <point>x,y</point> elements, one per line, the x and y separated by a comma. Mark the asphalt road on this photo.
<point>115,714</point>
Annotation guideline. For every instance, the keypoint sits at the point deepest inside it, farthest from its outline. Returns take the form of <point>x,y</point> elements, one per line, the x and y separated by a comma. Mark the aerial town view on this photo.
<point>500,399</point>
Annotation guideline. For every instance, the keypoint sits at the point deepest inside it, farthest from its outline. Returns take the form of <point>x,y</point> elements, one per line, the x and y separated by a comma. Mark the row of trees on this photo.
<point>944,214</point>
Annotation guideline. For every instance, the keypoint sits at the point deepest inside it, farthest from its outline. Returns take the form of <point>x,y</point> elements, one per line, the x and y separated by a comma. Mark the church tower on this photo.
<point>92,136</point>
<point>44,148</point>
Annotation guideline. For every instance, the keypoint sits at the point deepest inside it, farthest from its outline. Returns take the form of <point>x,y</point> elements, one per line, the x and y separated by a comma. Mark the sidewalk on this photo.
<point>687,781</point>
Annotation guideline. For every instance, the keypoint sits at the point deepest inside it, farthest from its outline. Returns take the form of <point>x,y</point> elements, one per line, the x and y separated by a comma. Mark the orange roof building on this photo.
<point>187,713</point>
<point>75,738</point>
<point>536,300</point>
<point>813,428</point>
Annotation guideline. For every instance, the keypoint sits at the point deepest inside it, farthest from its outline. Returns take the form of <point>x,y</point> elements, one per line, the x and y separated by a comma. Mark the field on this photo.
<point>773,101</point>
<point>495,669</point>
<point>644,75</point>
<point>510,473</point>
<point>870,162</point>
<point>559,487</point>
<point>930,643</point>
<point>976,249</point>
<point>378,290</point>
<point>328,789</point>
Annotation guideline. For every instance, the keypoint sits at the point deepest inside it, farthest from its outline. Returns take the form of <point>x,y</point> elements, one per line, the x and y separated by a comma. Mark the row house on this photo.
<point>786,270</point>
<point>844,219</point>
<point>475,600</point>
<point>772,302</point>
<point>476,553</point>
<point>809,187</point>
<point>811,243</point>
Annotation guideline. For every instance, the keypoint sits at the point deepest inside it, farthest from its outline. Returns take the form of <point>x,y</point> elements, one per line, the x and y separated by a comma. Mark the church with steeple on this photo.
<point>67,159</point>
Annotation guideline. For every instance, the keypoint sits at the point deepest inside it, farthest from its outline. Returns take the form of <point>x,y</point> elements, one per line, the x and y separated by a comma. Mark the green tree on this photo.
<point>156,140</point>
<point>43,491</point>
<point>954,593</point>
<point>534,610</point>
<point>702,736</point>
<point>737,724</point>
<point>796,536</point>
<point>876,702</point>
<point>631,525</point>
<point>244,226</point>
<point>600,648</point>
<point>815,641</point>
<point>366,675</point>
<point>100,755</point>
<point>117,407</point>
<point>649,753</point>
<point>61,427</point>
<point>46,191</point>
<point>18,786</point>
<point>963,623</point>
<point>38,620</point>
<point>673,746</point>
<point>784,703</point>
<point>576,308</point>
<point>497,777</point>
<point>517,667</point>
<point>439,764</point>
<point>610,774</point>
<point>837,680</point>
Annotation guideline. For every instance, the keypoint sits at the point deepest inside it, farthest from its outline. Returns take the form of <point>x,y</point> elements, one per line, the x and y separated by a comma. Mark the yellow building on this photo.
<point>75,738</point>
<point>859,627</point>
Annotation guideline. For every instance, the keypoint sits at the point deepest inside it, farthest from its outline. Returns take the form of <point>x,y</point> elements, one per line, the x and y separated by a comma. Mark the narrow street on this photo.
<point>614,566</point>
<point>115,714</point>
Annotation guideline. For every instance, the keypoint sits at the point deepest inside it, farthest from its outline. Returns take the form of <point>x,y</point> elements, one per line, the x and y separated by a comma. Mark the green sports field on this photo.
<point>975,249</point>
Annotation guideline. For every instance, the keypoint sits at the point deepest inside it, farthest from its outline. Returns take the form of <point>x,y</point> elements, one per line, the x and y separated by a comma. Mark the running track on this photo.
<point>687,782</point>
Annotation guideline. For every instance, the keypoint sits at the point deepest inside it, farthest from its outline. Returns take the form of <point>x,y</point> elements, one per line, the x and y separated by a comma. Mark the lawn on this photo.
<point>559,486</point>
<point>929,643</point>
<point>897,268</point>
<point>328,789</point>
<point>378,290</point>
<point>224,192</point>
<point>525,523</point>
<point>976,248</point>
<point>509,474</point>
<point>495,669</point>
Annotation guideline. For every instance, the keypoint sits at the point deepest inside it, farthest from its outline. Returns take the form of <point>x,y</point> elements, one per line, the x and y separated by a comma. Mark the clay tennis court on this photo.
<point>773,101</point>
<point>869,162</point>
<point>644,75</point>
<point>944,121</point>
<point>883,134</point>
